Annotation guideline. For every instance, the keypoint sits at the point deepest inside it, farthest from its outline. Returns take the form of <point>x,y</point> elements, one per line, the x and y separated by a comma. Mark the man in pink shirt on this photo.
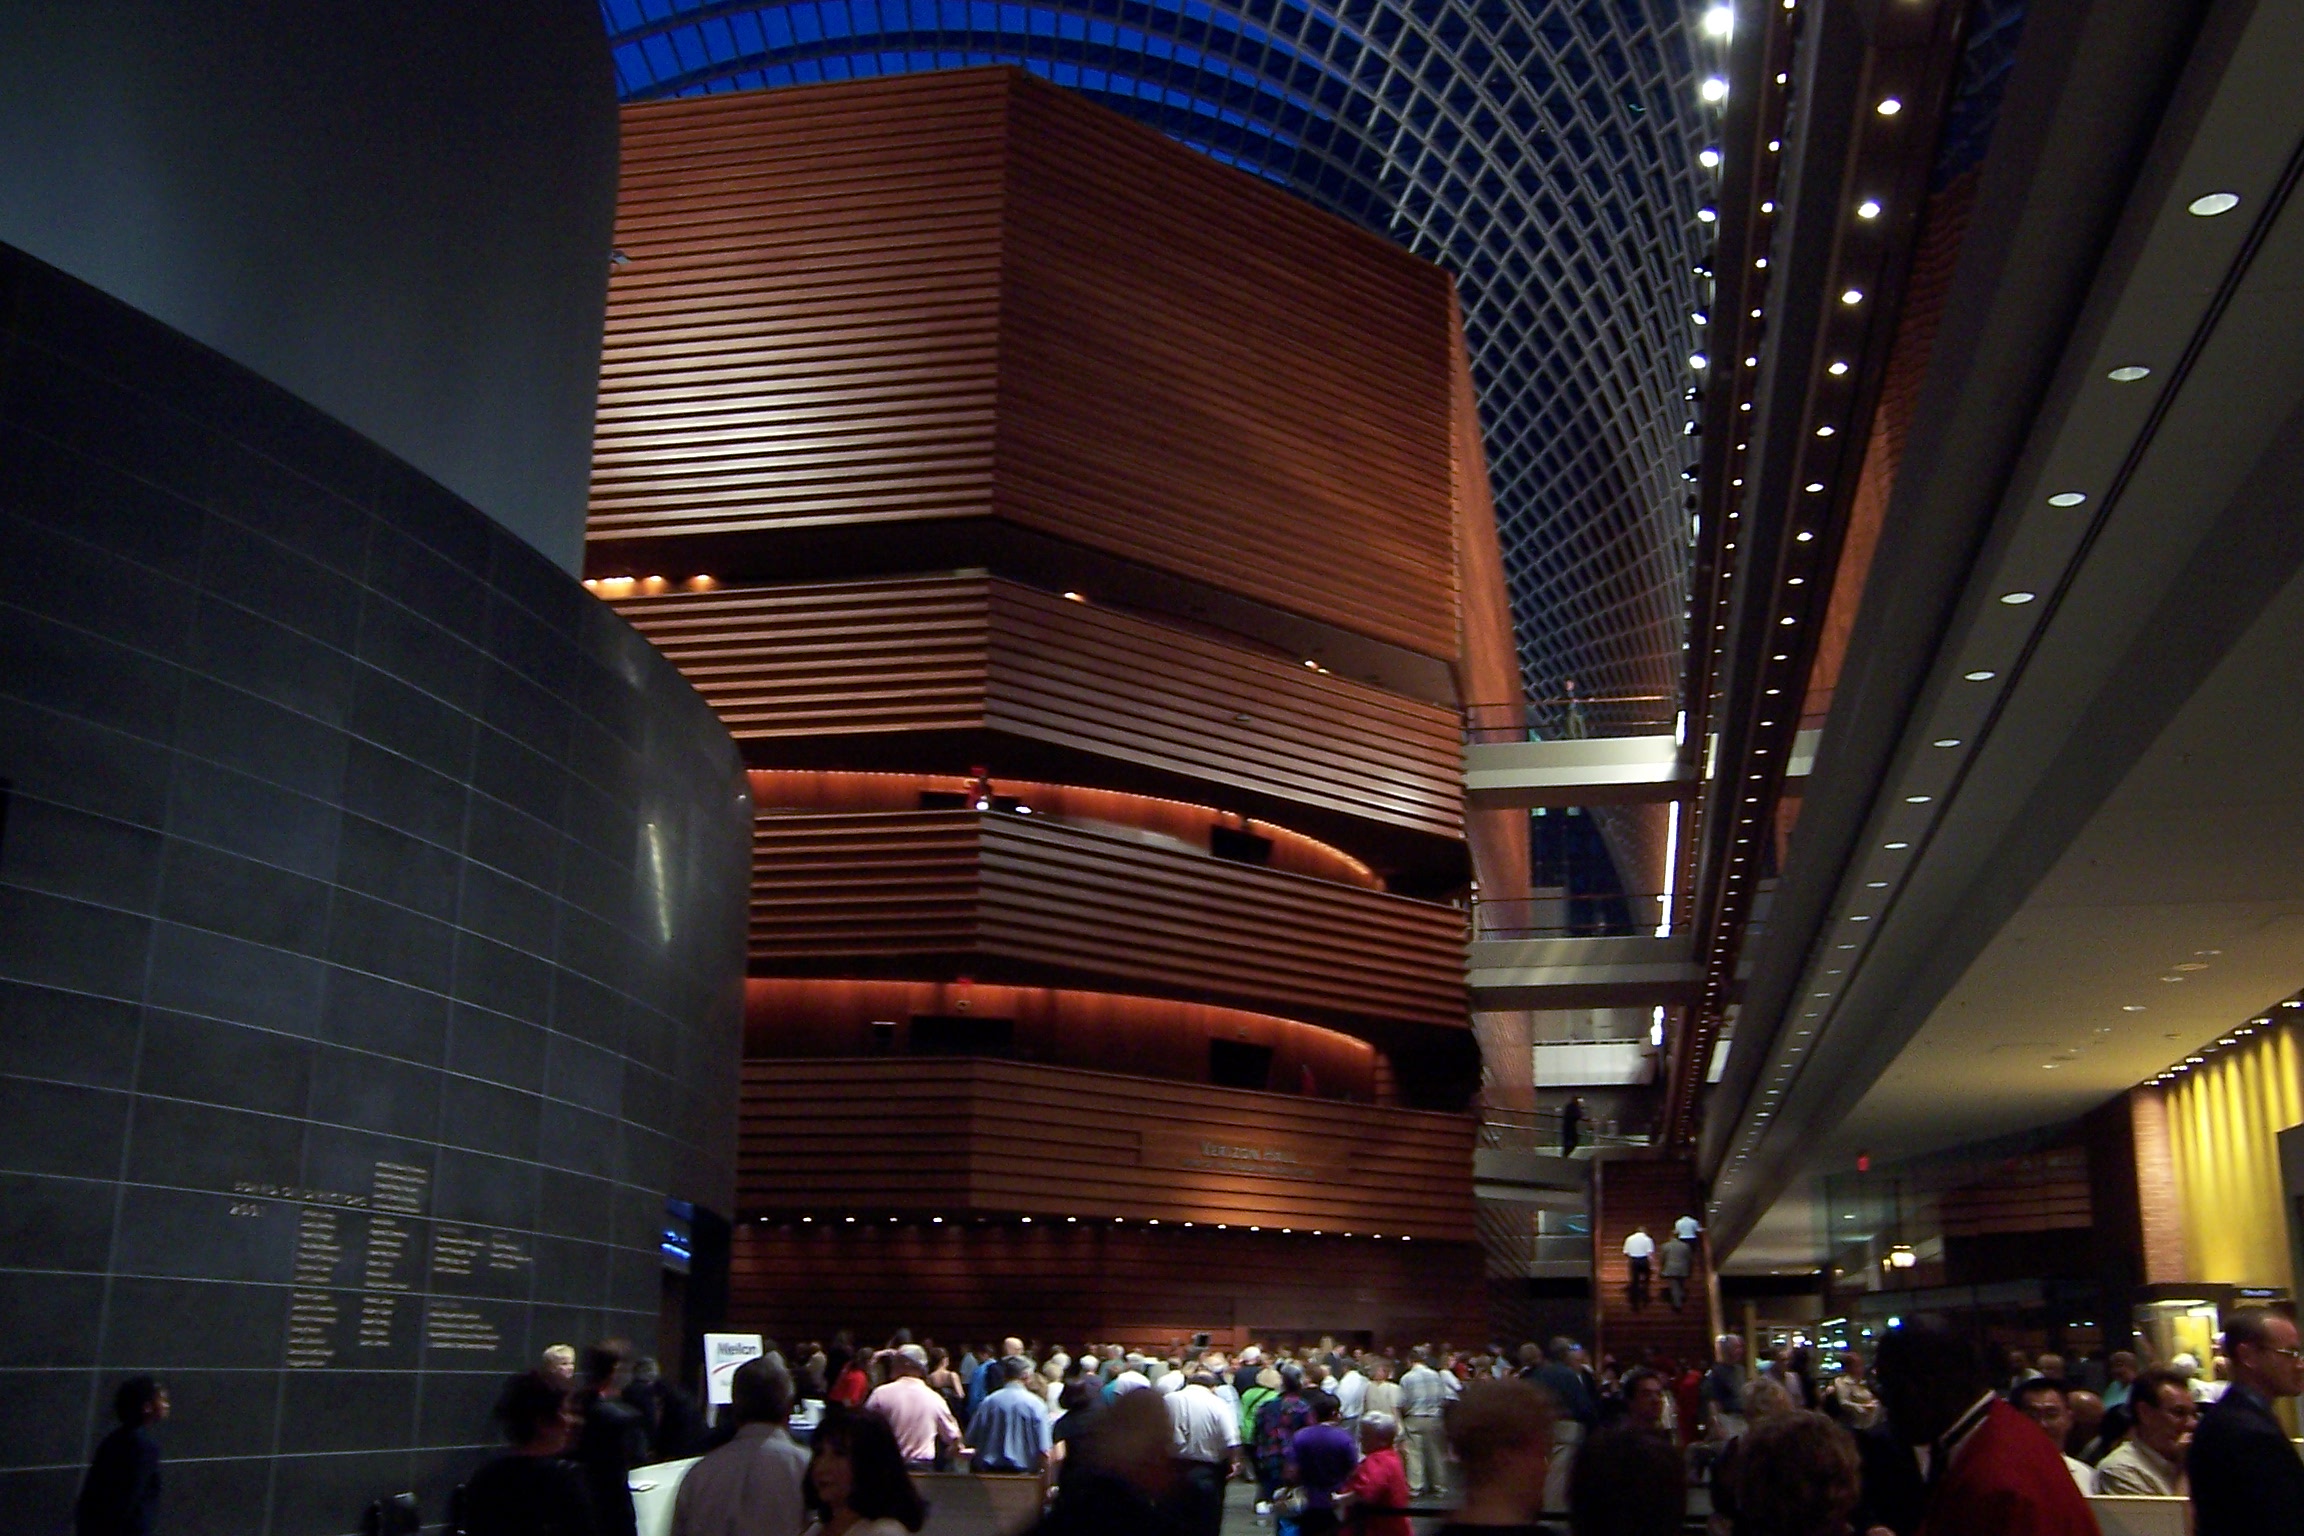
<point>916,1411</point>
<point>1374,1499</point>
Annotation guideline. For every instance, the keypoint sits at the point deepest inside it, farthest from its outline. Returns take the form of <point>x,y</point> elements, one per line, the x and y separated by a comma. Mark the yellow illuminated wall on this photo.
<point>2224,1120</point>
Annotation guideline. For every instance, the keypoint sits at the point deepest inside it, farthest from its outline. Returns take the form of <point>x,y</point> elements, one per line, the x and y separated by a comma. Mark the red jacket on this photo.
<point>2007,1479</point>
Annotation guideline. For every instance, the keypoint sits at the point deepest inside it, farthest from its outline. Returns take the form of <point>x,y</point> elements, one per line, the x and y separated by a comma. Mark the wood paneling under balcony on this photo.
<point>944,673</point>
<point>977,306</point>
<point>1147,1287</point>
<point>932,894</point>
<point>953,1137</point>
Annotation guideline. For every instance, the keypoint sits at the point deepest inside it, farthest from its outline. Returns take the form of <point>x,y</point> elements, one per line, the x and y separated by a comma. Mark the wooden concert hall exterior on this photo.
<point>1088,545</point>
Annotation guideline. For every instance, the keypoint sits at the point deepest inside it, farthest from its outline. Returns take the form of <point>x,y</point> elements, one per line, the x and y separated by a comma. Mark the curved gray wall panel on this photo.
<point>371,940</point>
<point>398,211</point>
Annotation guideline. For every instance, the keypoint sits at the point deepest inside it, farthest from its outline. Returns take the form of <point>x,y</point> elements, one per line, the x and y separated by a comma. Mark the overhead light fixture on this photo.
<point>1868,209</point>
<point>1889,106</point>
<point>1706,216</point>
<point>1802,537</point>
<point>2213,204</point>
<point>1825,431</point>
<point>1720,21</point>
<point>1814,486</point>
<point>2130,374</point>
<point>1708,158</point>
<point>2131,1007</point>
<point>1698,360</point>
<point>2017,599</point>
<point>1916,799</point>
<point>2067,498</point>
<point>1074,597</point>
<point>1852,296</point>
<point>1945,741</point>
<point>1979,676</point>
<point>1715,89</point>
<point>1894,847</point>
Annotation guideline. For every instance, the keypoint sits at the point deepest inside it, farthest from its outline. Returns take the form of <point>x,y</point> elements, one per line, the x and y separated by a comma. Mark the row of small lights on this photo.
<point>2201,1057</point>
<point>1720,22</point>
<point>2208,205</point>
<point>938,1221</point>
<point>644,586</point>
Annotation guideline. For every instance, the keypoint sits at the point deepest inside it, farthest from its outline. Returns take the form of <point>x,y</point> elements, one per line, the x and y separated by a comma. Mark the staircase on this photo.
<point>1632,1188</point>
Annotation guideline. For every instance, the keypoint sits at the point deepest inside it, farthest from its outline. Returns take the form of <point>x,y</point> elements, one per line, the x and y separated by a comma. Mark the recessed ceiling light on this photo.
<point>1824,431</point>
<point>1979,676</point>
<point>1868,209</point>
<point>2017,599</point>
<point>2213,204</point>
<point>1852,296</point>
<point>1916,799</point>
<point>1893,846</point>
<point>1837,369</point>
<point>1713,89</point>
<point>1708,158</point>
<point>1875,885</point>
<point>1889,106</point>
<point>2067,498</point>
<point>1945,741</point>
<point>2129,374</point>
<point>1815,486</point>
<point>2131,1007</point>
<point>1706,216</point>
<point>1802,537</point>
<point>1719,21</point>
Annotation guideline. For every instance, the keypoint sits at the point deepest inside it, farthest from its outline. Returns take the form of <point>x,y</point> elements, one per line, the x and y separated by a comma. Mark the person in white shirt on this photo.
<point>753,1485</point>
<point>922,1420</point>
<point>1686,1229</point>
<point>1422,1396</point>
<point>1351,1390</point>
<point>1639,1248</point>
<point>1207,1451</point>
<point>2151,1459</point>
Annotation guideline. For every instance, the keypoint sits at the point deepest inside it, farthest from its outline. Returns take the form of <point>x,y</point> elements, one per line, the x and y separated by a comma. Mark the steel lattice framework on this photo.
<point>1546,153</point>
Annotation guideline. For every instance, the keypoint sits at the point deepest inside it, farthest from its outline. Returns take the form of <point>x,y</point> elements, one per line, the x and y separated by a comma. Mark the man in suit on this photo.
<point>121,1494</point>
<point>1990,1471</point>
<point>2246,1477</point>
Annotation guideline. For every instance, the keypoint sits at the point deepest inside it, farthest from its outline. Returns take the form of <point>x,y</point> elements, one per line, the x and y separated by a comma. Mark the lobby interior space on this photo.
<point>1189,676</point>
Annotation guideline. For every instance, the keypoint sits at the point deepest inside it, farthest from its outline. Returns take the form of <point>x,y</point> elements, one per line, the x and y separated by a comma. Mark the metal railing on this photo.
<point>1538,1130</point>
<point>1576,915</point>
<point>1571,717</point>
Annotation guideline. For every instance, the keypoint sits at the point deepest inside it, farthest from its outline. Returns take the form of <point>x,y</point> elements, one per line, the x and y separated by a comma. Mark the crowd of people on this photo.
<point>1930,1439</point>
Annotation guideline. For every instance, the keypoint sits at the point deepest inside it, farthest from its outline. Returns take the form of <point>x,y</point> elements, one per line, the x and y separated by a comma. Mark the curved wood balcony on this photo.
<point>937,674</point>
<point>933,894</point>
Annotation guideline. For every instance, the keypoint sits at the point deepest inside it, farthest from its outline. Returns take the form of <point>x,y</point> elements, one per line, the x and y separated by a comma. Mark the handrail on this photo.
<point>1570,717</point>
<point>1537,1130</point>
<point>1554,917</point>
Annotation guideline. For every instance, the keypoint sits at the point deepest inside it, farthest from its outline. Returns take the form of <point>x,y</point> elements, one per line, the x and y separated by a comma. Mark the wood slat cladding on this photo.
<point>929,894</point>
<point>1226,381</point>
<point>968,296</point>
<point>957,1137</point>
<point>871,674</point>
<point>1098,1031</point>
<point>1132,1285</point>
<point>807,325</point>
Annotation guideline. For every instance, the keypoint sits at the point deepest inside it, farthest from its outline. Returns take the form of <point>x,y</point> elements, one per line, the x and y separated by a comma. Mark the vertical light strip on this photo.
<point>1671,873</point>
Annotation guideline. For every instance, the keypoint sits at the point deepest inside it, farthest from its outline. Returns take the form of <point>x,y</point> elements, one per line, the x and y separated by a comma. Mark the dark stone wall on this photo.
<point>401,210</point>
<point>371,940</point>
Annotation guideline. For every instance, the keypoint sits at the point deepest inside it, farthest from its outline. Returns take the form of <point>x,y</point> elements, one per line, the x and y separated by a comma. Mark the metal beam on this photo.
<point>1617,770</point>
<point>1582,973</point>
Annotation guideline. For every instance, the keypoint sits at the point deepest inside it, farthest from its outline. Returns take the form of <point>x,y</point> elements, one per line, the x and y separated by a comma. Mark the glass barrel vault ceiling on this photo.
<point>1543,152</point>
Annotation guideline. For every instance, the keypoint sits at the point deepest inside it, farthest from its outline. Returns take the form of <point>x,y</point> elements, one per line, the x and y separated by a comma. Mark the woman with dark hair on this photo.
<point>529,1491</point>
<point>857,1483</point>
